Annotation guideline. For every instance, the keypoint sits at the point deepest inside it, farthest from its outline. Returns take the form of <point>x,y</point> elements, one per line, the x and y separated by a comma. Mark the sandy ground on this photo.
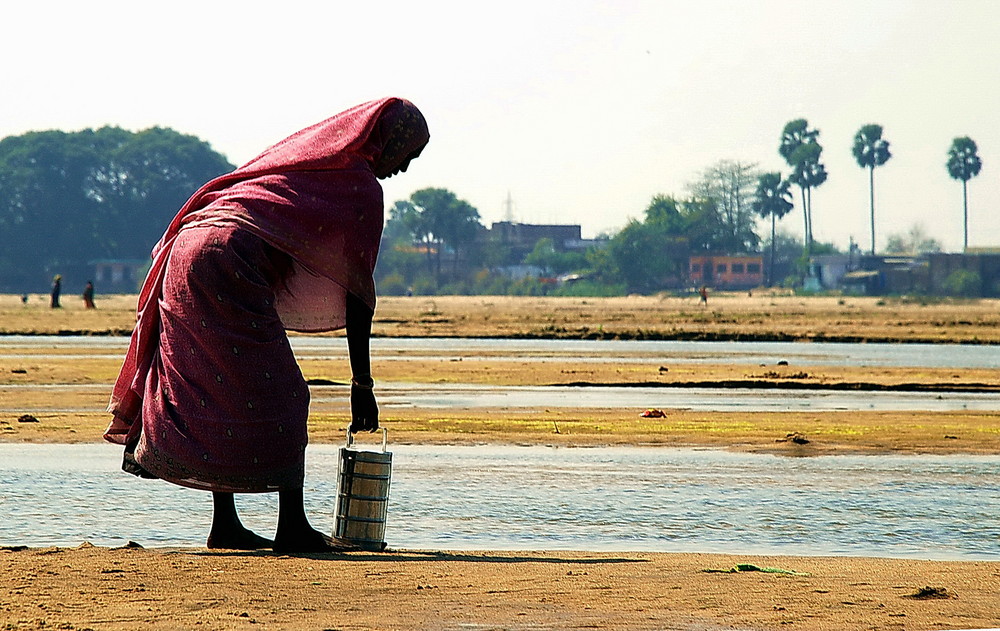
<point>761,316</point>
<point>99,588</point>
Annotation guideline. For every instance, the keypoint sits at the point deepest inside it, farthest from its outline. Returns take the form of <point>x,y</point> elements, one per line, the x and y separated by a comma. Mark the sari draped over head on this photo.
<point>314,197</point>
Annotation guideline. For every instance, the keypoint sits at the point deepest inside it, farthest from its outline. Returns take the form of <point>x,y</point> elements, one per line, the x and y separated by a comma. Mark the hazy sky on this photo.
<point>581,109</point>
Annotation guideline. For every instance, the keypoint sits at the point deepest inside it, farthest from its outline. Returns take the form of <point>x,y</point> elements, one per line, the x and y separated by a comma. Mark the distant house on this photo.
<point>527,235</point>
<point>828,269</point>
<point>726,272</point>
<point>118,275</point>
<point>522,237</point>
<point>983,261</point>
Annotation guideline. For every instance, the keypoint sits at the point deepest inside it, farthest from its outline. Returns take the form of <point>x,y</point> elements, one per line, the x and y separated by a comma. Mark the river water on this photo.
<point>655,499</point>
<point>768,353</point>
<point>549,498</point>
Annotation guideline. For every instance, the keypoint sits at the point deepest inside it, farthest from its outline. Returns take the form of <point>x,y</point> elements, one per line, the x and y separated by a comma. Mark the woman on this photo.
<point>56,290</point>
<point>88,295</point>
<point>210,395</point>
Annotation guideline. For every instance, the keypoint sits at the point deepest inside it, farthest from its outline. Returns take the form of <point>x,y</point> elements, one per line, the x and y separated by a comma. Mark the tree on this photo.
<point>552,261</point>
<point>772,199</point>
<point>871,150</point>
<point>70,198</point>
<point>964,164</point>
<point>915,241</point>
<point>653,253</point>
<point>801,150</point>
<point>729,184</point>
<point>445,220</point>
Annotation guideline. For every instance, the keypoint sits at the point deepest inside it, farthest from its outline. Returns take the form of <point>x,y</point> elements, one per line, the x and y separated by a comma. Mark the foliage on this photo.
<point>649,254</point>
<point>964,164</point>
<point>914,241</point>
<point>800,148</point>
<point>728,185</point>
<point>552,261</point>
<point>442,220</point>
<point>772,199</point>
<point>963,160</point>
<point>70,198</point>
<point>790,263</point>
<point>871,150</point>
<point>963,283</point>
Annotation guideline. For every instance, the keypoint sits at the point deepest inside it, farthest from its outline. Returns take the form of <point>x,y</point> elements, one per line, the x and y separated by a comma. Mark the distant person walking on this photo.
<point>703,292</point>
<point>56,290</point>
<point>88,296</point>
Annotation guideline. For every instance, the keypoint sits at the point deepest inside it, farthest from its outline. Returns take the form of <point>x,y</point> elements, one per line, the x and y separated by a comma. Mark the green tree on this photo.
<point>964,164</point>
<point>871,150</point>
<point>963,283</point>
<point>800,148</point>
<point>69,198</point>
<point>546,256</point>
<point>652,254</point>
<point>772,199</point>
<point>445,220</point>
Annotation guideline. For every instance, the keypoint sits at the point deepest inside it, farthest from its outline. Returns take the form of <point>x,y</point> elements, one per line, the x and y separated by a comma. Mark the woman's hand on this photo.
<point>364,410</point>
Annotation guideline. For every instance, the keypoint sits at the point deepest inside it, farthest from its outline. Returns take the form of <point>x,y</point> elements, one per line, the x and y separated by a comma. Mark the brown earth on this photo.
<point>126,589</point>
<point>101,588</point>
<point>762,316</point>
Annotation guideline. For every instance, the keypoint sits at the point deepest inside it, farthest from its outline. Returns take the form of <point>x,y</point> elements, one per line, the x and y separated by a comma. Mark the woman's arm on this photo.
<point>364,409</point>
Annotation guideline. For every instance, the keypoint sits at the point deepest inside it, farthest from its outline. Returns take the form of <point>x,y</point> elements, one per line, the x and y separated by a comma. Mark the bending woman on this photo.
<point>210,395</point>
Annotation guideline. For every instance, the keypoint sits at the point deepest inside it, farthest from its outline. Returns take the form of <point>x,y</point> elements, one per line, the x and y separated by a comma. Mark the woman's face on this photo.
<point>384,170</point>
<point>400,135</point>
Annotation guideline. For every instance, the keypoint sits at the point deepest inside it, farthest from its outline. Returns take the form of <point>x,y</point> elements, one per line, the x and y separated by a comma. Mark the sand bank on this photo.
<point>101,588</point>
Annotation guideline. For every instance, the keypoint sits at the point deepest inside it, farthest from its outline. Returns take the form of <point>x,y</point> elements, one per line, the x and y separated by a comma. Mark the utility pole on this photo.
<point>508,209</point>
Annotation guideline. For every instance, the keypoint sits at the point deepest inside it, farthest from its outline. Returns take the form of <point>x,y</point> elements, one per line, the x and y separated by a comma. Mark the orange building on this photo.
<point>727,272</point>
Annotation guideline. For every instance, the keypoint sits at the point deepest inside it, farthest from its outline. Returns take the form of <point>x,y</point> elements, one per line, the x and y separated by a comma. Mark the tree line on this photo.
<point>68,199</point>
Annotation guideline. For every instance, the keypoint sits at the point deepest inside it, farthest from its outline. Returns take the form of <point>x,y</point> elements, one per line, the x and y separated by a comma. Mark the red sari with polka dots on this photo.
<point>210,395</point>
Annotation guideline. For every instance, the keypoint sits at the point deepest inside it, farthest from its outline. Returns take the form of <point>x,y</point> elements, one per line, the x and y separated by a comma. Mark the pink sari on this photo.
<point>209,395</point>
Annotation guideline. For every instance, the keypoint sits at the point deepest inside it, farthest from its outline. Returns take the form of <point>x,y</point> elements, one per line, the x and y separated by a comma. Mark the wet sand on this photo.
<point>101,588</point>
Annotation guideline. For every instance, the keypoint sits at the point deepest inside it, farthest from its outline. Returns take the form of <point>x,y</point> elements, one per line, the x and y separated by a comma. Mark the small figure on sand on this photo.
<point>88,296</point>
<point>56,290</point>
<point>703,293</point>
<point>210,395</point>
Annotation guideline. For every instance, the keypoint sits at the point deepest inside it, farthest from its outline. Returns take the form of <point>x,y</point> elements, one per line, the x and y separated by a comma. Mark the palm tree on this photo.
<point>871,150</point>
<point>801,150</point>
<point>772,199</point>
<point>808,173</point>
<point>964,164</point>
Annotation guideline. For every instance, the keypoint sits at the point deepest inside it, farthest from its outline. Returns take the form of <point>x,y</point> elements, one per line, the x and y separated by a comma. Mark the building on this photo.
<point>119,275</point>
<point>727,272</point>
<point>826,270</point>
<point>527,235</point>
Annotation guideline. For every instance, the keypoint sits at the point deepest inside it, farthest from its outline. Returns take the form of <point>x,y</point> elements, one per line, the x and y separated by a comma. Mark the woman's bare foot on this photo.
<point>228,532</point>
<point>310,540</point>
<point>237,539</point>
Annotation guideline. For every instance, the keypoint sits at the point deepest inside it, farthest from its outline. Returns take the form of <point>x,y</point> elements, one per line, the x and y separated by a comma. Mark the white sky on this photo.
<point>581,109</point>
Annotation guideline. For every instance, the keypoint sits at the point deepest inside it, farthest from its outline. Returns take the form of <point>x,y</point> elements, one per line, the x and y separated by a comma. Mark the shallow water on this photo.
<point>544,498</point>
<point>796,353</point>
<point>703,399</point>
